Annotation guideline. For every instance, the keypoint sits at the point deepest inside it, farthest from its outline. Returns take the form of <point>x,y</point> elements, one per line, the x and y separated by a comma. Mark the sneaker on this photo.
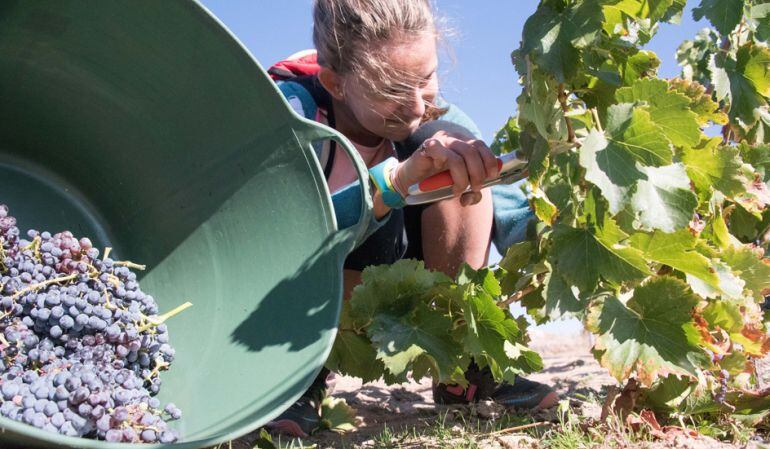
<point>522,394</point>
<point>304,416</point>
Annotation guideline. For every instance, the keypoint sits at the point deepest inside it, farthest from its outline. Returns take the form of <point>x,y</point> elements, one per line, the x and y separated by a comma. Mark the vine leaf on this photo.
<point>610,168</point>
<point>664,200</point>
<point>750,267</point>
<point>352,353</point>
<point>723,14</point>
<point>760,16</point>
<point>554,33</point>
<point>651,336</point>
<point>632,129</point>
<point>393,289</point>
<point>702,105</point>
<point>492,339</point>
<point>676,250</point>
<point>711,167</point>
<point>399,341</point>
<point>600,244</point>
<point>743,80</point>
<point>559,297</point>
<point>670,110</point>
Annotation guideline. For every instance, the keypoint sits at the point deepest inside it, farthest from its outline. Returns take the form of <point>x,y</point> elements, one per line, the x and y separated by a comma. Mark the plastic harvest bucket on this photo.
<point>147,126</point>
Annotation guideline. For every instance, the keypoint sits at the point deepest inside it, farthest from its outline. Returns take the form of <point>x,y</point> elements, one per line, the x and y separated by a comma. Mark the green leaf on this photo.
<point>711,167</point>
<point>491,337</point>
<point>640,65</point>
<point>393,289</point>
<point>651,336</point>
<point>610,260</point>
<point>664,200</point>
<point>751,268</point>
<point>400,340</point>
<point>507,138</point>
<point>631,129</point>
<point>723,14</point>
<point>516,258</point>
<point>559,297</point>
<point>760,16</point>
<point>484,277</point>
<point>694,55</point>
<point>724,314</point>
<point>759,158</point>
<point>265,440</point>
<point>610,168</point>
<point>702,105</point>
<point>337,415</point>
<point>730,286</point>
<point>544,209</point>
<point>353,355</point>
<point>670,110</point>
<point>554,34</point>
<point>744,81</point>
<point>676,250</point>
<point>539,105</point>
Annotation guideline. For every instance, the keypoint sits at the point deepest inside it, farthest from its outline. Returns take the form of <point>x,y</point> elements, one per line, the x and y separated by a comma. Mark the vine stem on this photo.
<point>517,296</point>
<point>563,102</point>
<point>40,285</point>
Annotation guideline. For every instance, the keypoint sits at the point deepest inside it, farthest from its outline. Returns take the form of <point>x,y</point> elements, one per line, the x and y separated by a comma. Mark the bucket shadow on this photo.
<point>310,300</point>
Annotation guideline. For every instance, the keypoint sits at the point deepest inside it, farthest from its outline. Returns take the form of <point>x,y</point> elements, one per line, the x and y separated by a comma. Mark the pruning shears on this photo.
<point>512,167</point>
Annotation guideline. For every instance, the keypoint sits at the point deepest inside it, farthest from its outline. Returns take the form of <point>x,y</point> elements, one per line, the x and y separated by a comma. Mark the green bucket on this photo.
<point>148,127</point>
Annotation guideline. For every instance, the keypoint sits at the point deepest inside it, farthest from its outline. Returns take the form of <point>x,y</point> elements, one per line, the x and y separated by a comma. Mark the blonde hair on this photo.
<point>351,35</point>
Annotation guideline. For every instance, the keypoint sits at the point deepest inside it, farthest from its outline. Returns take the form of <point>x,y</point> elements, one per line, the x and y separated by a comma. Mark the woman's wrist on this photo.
<point>382,178</point>
<point>397,180</point>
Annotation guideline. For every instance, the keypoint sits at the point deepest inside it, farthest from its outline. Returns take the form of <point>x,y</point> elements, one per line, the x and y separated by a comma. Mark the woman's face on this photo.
<point>394,111</point>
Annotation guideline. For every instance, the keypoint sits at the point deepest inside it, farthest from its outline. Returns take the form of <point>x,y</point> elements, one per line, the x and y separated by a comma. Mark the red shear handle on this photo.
<point>444,179</point>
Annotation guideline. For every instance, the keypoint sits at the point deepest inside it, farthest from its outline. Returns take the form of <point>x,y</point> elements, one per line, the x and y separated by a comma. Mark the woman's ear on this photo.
<point>332,82</point>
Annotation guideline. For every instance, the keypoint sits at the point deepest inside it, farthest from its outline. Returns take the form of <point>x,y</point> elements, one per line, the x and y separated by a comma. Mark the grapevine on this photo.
<point>650,227</point>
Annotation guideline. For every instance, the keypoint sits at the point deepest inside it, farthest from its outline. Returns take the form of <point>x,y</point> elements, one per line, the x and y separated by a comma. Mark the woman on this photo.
<point>375,81</point>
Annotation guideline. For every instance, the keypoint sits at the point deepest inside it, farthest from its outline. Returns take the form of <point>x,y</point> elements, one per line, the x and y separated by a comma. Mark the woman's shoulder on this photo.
<point>456,115</point>
<point>299,98</point>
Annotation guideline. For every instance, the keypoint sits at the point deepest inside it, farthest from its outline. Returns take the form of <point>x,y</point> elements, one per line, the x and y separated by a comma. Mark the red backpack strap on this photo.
<point>304,63</point>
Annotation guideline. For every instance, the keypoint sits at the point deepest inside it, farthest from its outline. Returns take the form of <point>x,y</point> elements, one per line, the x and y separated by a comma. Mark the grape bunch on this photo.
<point>81,346</point>
<point>723,376</point>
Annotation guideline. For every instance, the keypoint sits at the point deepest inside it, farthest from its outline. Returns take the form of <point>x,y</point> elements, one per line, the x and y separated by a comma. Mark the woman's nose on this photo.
<point>414,106</point>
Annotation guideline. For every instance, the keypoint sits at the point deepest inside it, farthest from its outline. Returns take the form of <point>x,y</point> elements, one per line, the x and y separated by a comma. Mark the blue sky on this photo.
<point>478,76</point>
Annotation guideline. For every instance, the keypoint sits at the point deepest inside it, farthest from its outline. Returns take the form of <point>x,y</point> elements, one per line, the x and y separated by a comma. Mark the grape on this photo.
<point>78,358</point>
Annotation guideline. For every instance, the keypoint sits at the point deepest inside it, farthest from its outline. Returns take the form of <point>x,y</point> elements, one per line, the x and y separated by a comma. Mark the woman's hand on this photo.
<point>469,161</point>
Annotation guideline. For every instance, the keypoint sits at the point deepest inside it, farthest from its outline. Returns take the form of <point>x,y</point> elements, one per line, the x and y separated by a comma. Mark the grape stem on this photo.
<point>35,246</point>
<point>39,285</point>
<point>159,365</point>
<point>160,319</point>
<point>126,263</point>
<point>3,268</point>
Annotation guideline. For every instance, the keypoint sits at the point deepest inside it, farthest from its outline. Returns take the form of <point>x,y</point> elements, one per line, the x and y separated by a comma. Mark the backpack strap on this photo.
<point>324,100</point>
<point>302,68</point>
